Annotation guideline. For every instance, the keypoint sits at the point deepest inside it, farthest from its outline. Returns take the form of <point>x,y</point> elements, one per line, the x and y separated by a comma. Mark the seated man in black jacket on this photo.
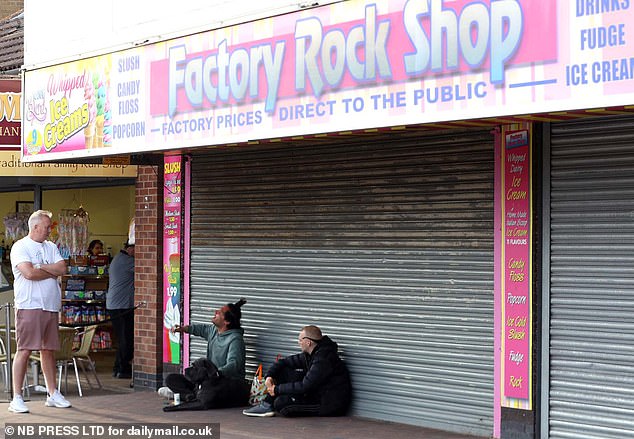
<point>313,383</point>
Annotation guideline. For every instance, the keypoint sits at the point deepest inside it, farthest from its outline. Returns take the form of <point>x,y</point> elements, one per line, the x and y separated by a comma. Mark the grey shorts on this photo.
<point>36,329</point>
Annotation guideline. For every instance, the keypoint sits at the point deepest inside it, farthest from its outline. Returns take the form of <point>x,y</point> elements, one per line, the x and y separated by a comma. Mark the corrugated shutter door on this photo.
<point>592,279</point>
<point>388,246</point>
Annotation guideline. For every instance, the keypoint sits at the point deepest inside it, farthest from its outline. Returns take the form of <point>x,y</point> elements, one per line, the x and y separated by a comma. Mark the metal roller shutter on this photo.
<point>386,245</point>
<point>591,382</point>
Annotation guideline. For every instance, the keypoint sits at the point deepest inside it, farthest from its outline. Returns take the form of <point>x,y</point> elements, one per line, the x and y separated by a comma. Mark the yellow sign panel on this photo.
<point>11,166</point>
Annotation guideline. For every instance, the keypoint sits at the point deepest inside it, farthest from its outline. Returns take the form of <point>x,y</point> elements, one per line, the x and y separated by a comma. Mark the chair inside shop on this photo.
<point>82,358</point>
<point>64,358</point>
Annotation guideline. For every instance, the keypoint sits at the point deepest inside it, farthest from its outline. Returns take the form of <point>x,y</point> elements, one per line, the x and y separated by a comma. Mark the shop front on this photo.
<point>74,193</point>
<point>25,187</point>
<point>416,178</point>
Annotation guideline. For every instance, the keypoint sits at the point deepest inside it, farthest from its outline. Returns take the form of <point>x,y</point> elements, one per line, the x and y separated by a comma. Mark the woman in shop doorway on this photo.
<point>95,248</point>
<point>120,306</point>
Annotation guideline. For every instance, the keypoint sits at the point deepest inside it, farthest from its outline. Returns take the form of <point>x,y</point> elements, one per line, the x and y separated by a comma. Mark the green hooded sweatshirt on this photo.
<point>225,350</point>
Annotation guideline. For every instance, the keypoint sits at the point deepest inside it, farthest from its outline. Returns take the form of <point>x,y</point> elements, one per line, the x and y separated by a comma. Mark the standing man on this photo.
<point>226,350</point>
<point>36,264</point>
<point>120,306</point>
<point>313,383</point>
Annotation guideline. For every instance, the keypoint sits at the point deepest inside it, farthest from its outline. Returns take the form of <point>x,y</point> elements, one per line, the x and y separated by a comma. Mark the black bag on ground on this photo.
<point>211,389</point>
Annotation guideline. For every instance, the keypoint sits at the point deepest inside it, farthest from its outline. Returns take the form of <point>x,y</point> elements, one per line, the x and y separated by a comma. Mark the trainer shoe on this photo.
<point>263,410</point>
<point>166,392</point>
<point>57,400</point>
<point>17,405</point>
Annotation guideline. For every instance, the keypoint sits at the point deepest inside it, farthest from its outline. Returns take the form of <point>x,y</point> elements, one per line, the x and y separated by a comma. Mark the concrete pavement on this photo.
<point>119,404</point>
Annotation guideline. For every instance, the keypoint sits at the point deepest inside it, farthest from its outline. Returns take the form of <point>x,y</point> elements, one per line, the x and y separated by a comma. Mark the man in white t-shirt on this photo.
<point>36,264</point>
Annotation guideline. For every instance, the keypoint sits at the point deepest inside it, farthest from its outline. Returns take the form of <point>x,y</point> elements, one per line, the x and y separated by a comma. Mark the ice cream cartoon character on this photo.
<point>89,97</point>
<point>101,104</point>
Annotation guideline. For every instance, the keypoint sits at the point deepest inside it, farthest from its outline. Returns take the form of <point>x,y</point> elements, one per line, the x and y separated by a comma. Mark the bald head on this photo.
<point>312,332</point>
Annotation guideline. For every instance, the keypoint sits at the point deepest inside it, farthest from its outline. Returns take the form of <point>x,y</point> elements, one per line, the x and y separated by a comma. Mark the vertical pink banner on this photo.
<point>172,210</point>
<point>516,279</point>
<point>497,282</point>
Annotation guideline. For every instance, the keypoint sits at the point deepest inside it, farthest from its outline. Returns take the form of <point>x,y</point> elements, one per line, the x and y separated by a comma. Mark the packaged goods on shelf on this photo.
<point>99,294</point>
<point>101,313</point>
<point>74,295</point>
<point>75,285</point>
<point>101,270</point>
<point>77,270</point>
<point>81,314</point>
<point>101,340</point>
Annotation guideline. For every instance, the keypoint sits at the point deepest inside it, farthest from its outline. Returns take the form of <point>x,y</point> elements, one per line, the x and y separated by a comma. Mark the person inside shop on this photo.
<point>314,382</point>
<point>36,264</point>
<point>95,248</point>
<point>120,306</point>
<point>225,360</point>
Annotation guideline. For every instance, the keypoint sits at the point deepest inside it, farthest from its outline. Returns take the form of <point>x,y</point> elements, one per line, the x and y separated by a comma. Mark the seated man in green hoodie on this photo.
<point>225,349</point>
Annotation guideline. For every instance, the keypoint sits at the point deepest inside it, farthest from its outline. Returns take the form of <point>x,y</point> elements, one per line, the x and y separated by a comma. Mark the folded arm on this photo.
<point>42,271</point>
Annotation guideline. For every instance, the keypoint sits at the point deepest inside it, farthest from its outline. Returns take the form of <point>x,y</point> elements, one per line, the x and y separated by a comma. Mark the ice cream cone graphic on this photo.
<point>89,135</point>
<point>89,97</point>
<point>100,103</point>
<point>99,132</point>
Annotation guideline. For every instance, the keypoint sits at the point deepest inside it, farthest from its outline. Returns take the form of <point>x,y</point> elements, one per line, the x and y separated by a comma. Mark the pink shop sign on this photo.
<point>346,66</point>
<point>172,289</point>
<point>517,233</point>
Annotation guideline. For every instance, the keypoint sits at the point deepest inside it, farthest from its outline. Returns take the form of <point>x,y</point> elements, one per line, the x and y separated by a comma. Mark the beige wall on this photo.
<point>7,205</point>
<point>8,199</point>
<point>110,209</point>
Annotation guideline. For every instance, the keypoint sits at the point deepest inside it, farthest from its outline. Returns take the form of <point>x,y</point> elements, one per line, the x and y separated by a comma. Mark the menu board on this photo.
<point>172,208</point>
<point>516,204</point>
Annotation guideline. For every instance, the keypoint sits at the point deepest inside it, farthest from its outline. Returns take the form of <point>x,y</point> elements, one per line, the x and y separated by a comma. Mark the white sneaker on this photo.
<point>166,392</point>
<point>17,405</point>
<point>57,400</point>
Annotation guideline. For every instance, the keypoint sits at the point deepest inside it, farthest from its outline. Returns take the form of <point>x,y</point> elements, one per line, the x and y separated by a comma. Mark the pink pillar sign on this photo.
<point>172,209</point>
<point>516,272</point>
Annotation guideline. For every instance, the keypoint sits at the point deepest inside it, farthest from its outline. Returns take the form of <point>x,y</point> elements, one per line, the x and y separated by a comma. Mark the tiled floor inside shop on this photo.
<point>104,362</point>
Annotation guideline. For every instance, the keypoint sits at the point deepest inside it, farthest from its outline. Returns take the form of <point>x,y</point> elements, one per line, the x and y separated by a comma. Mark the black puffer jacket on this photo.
<point>324,374</point>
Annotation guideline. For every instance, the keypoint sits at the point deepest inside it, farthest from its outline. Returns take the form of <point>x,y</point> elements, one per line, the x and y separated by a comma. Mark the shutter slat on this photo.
<point>592,279</point>
<point>386,245</point>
